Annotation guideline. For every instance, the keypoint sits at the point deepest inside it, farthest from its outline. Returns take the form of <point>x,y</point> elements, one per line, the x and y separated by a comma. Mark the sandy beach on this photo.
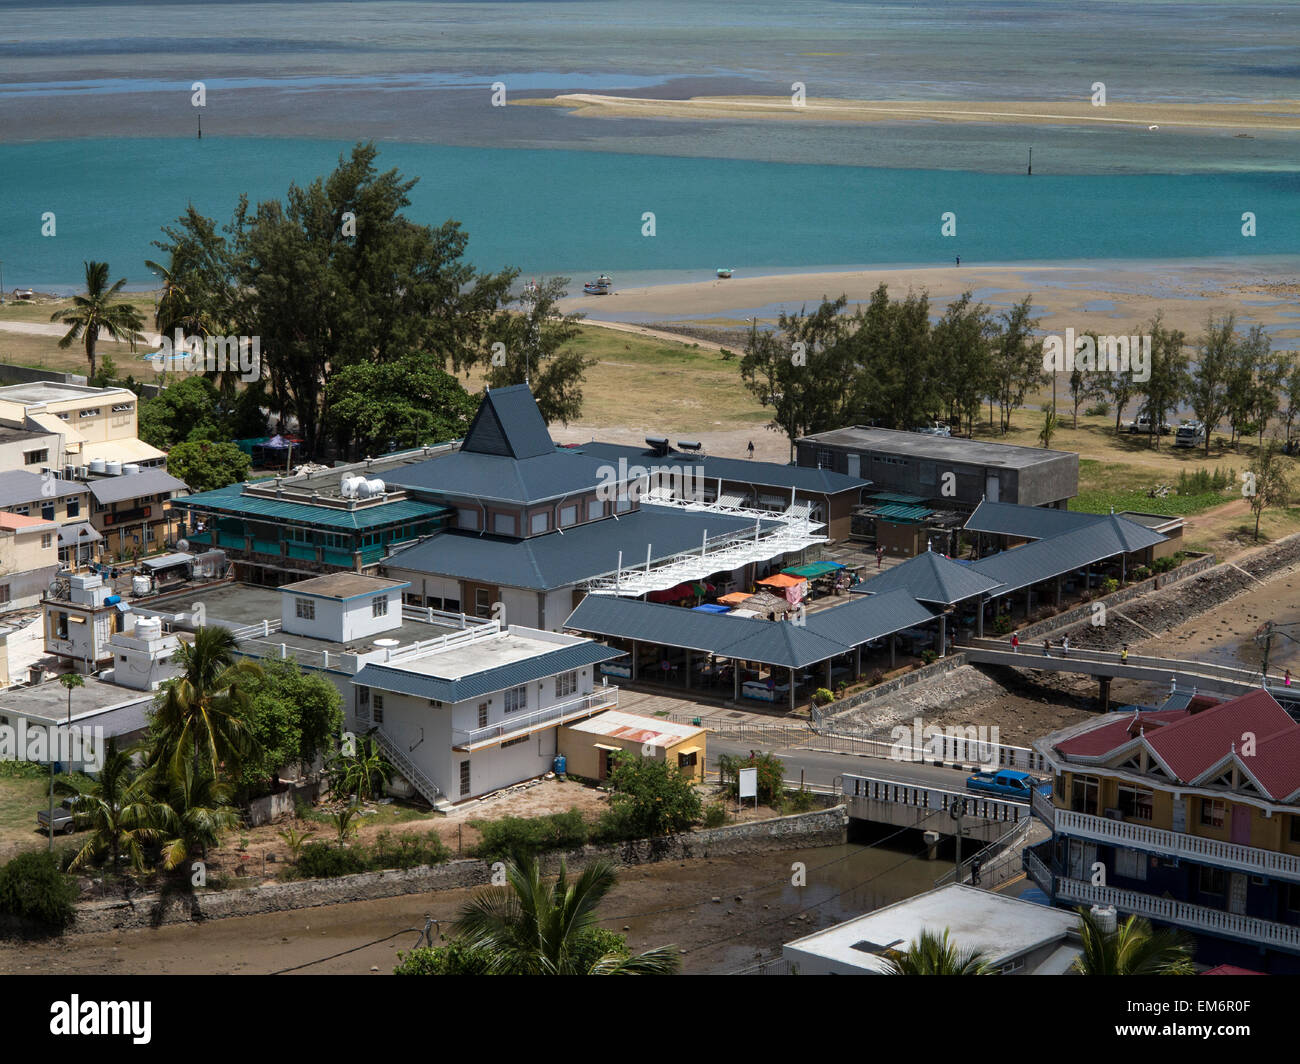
<point>1107,297</point>
<point>1274,115</point>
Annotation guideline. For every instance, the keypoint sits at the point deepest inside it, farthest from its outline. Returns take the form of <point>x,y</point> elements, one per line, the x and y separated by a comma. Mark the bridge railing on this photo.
<point>936,799</point>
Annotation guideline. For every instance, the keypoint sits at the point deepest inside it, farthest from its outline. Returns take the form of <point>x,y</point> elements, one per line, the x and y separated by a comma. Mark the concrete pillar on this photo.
<point>1058,592</point>
<point>979,618</point>
<point>688,669</point>
<point>1103,694</point>
<point>792,685</point>
<point>830,674</point>
<point>1123,568</point>
<point>735,676</point>
<point>931,839</point>
<point>634,650</point>
<point>857,662</point>
<point>943,635</point>
<point>893,641</point>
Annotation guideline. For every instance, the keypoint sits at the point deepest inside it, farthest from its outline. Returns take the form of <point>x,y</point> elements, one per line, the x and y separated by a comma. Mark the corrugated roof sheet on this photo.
<point>1046,559</point>
<point>508,424</point>
<point>1027,522</point>
<point>498,478</point>
<point>902,512</point>
<point>19,486</point>
<point>559,559</point>
<point>737,470</point>
<point>825,633</point>
<point>930,577</point>
<point>134,485</point>
<point>233,502</point>
<point>501,678</point>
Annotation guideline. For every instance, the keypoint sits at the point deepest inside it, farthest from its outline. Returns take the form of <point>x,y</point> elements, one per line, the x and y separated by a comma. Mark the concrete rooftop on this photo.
<point>468,659</point>
<point>939,448</point>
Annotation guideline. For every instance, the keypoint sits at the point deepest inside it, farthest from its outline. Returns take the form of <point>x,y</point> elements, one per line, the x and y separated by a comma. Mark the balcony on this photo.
<point>551,716</point>
<point>1178,844</point>
<point>1182,914</point>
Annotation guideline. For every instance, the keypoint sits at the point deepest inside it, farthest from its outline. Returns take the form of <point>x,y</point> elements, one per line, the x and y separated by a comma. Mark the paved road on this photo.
<point>36,328</point>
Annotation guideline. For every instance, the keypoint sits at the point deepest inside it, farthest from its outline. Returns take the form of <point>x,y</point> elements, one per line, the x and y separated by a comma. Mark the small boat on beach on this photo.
<point>725,271</point>
<point>598,287</point>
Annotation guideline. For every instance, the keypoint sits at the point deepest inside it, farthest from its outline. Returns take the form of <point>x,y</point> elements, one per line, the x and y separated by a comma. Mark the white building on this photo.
<point>480,712</point>
<point>342,607</point>
<point>1017,937</point>
<point>80,619</point>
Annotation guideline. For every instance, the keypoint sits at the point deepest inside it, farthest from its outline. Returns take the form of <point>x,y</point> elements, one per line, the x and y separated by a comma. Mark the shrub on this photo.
<point>455,958</point>
<point>320,860</point>
<point>1108,585</point>
<point>1141,573</point>
<point>823,697</point>
<point>715,815</point>
<point>1163,565</point>
<point>23,770</point>
<point>615,824</point>
<point>656,798</point>
<point>771,775</point>
<point>407,851</point>
<point>528,836</point>
<point>929,657</point>
<point>34,887</point>
<point>798,802</point>
<point>1101,408</point>
<point>876,677</point>
<point>1002,626</point>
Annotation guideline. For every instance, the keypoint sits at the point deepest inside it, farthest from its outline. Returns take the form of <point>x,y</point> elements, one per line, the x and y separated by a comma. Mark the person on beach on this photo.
<point>1015,643</point>
<point>958,260</point>
<point>751,448</point>
<point>1065,647</point>
<point>1123,654</point>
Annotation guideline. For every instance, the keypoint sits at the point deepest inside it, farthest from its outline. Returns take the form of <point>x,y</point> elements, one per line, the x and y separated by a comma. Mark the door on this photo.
<point>464,778</point>
<point>1237,893</point>
<point>991,487</point>
<point>1180,815</point>
<point>1241,825</point>
<point>855,465</point>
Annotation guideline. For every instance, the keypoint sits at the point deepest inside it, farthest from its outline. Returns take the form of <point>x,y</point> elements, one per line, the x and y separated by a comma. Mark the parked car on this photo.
<point>1008,783</point>
<point>65,819</point>
<point>1143,424</point>
<point>1190,434</point>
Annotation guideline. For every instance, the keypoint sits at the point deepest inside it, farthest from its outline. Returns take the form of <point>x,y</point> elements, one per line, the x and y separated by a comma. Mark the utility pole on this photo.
<point>956,811</point>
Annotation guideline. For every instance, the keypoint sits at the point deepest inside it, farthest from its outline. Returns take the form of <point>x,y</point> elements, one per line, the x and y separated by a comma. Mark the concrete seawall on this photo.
<point>822,827</point>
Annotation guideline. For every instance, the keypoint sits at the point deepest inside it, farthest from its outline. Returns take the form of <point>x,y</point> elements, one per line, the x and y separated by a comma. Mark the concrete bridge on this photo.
<point>910,805</point>
<point>1107,665</point>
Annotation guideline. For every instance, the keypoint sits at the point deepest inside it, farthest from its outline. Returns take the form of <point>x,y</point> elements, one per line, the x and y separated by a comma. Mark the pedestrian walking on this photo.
<point>1015,643</point>
<point>1065,647</point>
<point>880,556</point>
<point>751,448</point>
<point>1123,654</point>
<point>1287,678</point>
<point>1047,648</point>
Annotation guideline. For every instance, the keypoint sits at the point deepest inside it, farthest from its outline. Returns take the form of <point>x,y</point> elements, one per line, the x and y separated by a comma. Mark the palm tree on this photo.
<point>930,954</point>
<point>118,808</point>
<point>360,774</point>
<point>95,312</point>
<point>197,810</point>
<point>532,928</point>
<point>200,713</point>
<point>1133,948</point>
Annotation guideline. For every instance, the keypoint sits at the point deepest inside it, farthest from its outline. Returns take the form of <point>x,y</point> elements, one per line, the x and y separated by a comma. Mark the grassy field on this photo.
<point>21,795</point>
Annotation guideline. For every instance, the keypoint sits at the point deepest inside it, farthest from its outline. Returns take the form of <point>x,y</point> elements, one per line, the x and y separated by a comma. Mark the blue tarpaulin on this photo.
<point>710,607</point>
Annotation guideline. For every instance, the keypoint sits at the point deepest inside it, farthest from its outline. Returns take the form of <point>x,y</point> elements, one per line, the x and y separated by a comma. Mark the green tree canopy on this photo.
<point>205,465</point>
<point>292,717</point>
<point>651,797</point>
<point>178,411</point>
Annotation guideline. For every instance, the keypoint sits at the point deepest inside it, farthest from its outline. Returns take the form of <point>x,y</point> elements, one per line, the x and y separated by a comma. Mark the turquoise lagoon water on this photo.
<point>582,212</point>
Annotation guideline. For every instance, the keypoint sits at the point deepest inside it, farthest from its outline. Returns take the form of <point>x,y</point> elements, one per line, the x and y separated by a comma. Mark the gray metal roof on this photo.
<point>500,478</point>
<point>944,448</point>
<point>559,559</point>
<point>508,424</point>
<point>76,534</point>
<point>930,577</point>
<point>1045,559</point>
<point>134,485</point>
<point>866,617</point>
<point>825,634</point>
<point>19,486</point>
<point>500,678</point>
<point>1030,522</point>
<point>740,470</point>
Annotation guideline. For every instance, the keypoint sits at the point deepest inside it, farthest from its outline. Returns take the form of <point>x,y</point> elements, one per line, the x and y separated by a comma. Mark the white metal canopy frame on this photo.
<point>789,530</point>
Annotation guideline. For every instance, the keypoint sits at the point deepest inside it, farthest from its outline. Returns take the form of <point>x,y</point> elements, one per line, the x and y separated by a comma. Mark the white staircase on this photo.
<point>407,768</point>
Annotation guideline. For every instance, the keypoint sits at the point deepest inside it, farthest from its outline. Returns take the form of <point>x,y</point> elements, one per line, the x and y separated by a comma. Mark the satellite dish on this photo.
<point>182,545</point>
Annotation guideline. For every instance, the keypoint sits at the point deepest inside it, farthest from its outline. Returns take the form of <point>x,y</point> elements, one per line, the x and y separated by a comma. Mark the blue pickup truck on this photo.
<point>1008,783</point>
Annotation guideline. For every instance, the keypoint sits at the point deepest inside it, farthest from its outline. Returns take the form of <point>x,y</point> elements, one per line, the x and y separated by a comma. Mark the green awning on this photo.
<point>902,514</point>
<point>813,569</point>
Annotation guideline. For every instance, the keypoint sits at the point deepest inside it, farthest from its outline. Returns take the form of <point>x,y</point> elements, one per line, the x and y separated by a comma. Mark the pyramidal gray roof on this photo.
<point>931,577</point>
<point>509,424</point>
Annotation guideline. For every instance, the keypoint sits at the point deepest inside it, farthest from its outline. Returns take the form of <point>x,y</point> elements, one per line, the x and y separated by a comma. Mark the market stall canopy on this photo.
<point>813,569</point>
<point>734,599</point>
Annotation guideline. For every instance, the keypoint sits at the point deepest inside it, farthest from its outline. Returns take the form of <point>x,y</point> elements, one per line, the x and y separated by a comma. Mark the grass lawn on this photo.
<point>20,797</point>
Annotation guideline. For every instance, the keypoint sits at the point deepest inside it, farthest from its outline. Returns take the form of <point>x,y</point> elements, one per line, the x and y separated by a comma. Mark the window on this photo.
<point>464,778</point>
<point>467,519</point>
<point>1083,794</point>
<point>378,701</point>
<point>1136,803</point>
<point>1130,863</point>
<point>1293,897</point>
<point>47,511</point>
<point>1213,812</point>
<point>482,714</point>
<point>363,703</point>
<point>516,741</point>
<point>482,602</point>
<point>687,761</point>
<point>1294,832</point>
<point>74,507</point>
<point>516,699</point>
<point>565,684</point>
<point>595,509</point>
<point>36,457</point>
<point>20,509</point>
<point>379,607</point>
<point>4,597</point>
<point>123,408</point>
<point>305,609</point>
<point>622,505</point>
<point>1213,881</point>
<point>89,412</point>
<point>568,516</point>
<point>504,524</point>
<point>47,540</point>
<point>539,523</point>
<point>825,460</point>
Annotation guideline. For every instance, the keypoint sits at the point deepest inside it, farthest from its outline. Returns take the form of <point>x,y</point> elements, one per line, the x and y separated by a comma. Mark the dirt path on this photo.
<point>654,334</point>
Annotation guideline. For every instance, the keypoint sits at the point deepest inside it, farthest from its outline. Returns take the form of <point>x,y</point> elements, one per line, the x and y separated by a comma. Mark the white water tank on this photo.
<point>1106,917</point>
<point>131,469</point>
<point>139,585</point>
<point>351,486</point>
<point>148,628</point>
<point>97,465</point>
<point>113,469</point>
<point>370,488</point>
